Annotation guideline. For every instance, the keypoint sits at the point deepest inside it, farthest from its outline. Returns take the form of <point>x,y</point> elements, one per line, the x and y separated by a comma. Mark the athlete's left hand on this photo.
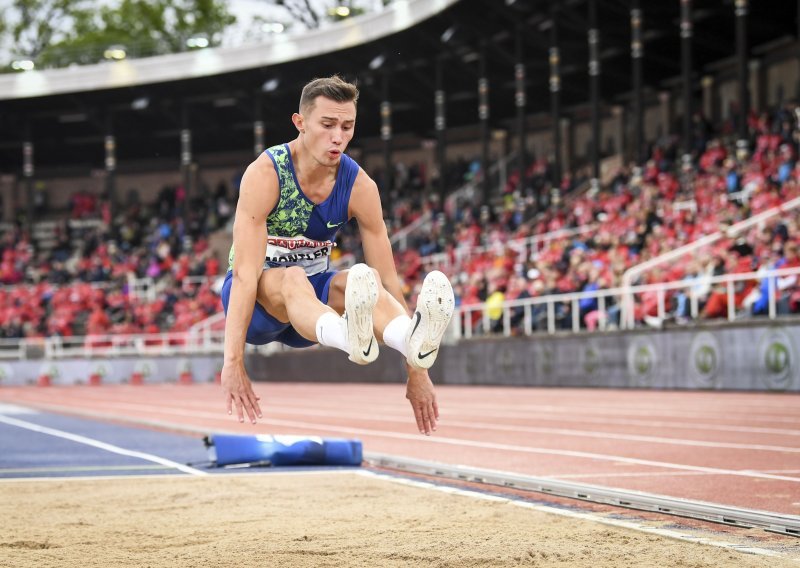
<point>422,396</point>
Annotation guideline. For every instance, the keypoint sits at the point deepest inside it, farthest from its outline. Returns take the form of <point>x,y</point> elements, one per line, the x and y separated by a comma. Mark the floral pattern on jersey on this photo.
<point>290,217</point>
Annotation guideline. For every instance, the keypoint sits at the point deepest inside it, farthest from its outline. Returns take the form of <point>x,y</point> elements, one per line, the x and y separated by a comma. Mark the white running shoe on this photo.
<point>434,309</point>
<point>360,297</point>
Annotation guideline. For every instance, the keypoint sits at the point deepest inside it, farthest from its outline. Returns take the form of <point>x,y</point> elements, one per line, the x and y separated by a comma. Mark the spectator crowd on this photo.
<point>88,282</point>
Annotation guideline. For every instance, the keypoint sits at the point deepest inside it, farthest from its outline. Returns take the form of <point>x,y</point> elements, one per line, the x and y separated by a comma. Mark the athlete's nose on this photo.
<point>336,136</point>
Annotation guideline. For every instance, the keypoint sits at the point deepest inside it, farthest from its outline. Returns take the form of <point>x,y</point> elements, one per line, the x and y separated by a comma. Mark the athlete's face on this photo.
<point>326,129</point>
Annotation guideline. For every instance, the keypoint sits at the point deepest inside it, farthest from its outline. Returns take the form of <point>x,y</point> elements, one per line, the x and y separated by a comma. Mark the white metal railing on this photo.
<point>636,271</point>
<point>207,325</point>
<point>142,288</point>
<point>119,345</point>
<point>561,311</point>
<point>542,314</point>
<point>14,349</point>
<point>400,238</point>
<point>527,247</point>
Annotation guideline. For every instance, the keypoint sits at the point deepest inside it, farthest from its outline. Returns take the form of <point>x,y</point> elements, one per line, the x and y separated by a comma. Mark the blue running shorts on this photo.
<point>264,328</point>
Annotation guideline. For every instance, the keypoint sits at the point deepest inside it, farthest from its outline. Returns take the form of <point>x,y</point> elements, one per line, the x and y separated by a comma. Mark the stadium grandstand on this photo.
<point>612,187</point>
<point>578,166</point>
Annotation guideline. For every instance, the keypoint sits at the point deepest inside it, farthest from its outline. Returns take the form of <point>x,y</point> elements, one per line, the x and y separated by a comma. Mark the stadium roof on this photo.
<point>68,129</point>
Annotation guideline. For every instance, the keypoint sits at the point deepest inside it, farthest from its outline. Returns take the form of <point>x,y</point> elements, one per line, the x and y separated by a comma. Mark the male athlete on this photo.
<point>293,199</point>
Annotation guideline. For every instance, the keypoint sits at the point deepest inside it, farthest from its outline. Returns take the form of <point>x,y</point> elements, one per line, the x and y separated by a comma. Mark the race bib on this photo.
<point>298,251</point>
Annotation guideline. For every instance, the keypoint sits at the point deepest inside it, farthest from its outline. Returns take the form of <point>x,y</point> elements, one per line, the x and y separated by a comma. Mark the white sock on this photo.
<point>332,331</point>
<point>394,335</point>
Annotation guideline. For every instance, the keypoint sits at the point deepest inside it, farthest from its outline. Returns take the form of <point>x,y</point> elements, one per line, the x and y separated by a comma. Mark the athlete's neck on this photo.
<point>315,179</point>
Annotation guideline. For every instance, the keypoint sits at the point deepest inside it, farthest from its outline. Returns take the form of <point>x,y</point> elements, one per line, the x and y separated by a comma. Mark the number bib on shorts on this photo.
<point>311,255</point>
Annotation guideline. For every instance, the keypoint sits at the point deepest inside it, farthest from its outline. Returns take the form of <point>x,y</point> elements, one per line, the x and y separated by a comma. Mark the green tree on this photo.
<point>37,24</point>
<point>313,14</point>
<point>60,32</point>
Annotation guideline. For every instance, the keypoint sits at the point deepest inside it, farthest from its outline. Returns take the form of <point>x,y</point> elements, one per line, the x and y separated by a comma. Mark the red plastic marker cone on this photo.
<point>218,378</point>
<point>185,378</point>
<point>44,380</point>
<point>95,379</point>
<point>137,378</point>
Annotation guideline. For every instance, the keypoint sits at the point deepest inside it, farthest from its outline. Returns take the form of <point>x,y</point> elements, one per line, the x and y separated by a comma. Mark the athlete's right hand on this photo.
<point>239,391</point>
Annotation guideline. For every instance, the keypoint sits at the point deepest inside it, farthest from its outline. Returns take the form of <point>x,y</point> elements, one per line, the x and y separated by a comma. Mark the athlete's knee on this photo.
<point>294,281</point>
<point>377,275</point>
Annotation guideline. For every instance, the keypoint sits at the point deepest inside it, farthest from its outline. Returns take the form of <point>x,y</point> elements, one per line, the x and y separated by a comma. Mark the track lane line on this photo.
<point>486,426</point>
<point>473,444</point>
<point>98,444</point>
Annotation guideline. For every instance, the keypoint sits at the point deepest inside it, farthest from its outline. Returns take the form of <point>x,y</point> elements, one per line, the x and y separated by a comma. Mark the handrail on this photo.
<point>572,298</point>
<point>206,341</point>
<point>119,345</point>
<point>442,259</point>
<point>208,323</point>
<point>635,271</point>
<point>400,238</point>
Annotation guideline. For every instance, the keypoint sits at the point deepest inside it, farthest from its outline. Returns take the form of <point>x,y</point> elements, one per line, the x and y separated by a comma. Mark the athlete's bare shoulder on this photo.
<point>364,185</point>
<point>261,168</point>
<point>365,199</point>
<point>259,189</point>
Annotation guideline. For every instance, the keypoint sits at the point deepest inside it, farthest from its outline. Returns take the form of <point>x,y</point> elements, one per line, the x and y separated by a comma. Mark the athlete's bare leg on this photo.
<point>288,296</point>
<point>387,308</point>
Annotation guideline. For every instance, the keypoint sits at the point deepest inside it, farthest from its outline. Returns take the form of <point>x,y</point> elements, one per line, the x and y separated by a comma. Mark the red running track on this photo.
<point>739,449</point>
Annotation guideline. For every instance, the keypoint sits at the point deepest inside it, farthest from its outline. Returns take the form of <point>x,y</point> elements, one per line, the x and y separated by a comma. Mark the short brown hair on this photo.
<point>334,88</point>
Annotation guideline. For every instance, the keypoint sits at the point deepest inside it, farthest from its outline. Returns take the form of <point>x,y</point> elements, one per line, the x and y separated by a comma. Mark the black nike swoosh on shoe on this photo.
<point>419,317</point>
<point>366,353</point>
<point>423,355</point>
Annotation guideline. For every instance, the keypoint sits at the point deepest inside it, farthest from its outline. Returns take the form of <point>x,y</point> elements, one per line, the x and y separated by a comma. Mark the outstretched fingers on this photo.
<point>246,404</point>
<point>426,414</point>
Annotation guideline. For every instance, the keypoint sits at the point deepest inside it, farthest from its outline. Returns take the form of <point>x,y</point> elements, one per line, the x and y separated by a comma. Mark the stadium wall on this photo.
<point>746,357</point>
<point>713,357</point>
<point>151,369</point>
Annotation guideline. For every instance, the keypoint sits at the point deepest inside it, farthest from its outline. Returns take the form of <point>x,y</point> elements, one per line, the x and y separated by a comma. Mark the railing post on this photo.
<point>528,320</point>
<point>602,321</point>
<point>627,320</point>
<point>457,329</point>
<point>731,300</point>
<point>506,321</point>
<point>661,304</point>
<point>551,317</point>
<point>576,316</point>
<point>771,290</point>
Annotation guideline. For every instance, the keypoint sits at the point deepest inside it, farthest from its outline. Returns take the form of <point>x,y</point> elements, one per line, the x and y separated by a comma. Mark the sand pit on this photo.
<point>310,520</point>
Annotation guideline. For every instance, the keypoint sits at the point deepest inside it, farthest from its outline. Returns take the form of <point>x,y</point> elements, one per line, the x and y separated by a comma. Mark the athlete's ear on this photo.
<point>298,120</point>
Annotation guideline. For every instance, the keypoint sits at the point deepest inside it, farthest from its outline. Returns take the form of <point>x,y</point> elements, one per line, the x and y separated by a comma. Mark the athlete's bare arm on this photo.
<point>365,206</point>
<point>258,195</point>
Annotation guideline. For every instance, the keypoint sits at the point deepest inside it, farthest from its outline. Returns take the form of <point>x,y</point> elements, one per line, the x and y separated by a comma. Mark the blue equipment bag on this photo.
<point>265,449</point>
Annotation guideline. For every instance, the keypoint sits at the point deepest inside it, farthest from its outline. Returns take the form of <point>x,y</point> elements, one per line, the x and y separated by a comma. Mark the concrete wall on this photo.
<point>752,357</point>
<point>757,358</point>
<point>111,370</point>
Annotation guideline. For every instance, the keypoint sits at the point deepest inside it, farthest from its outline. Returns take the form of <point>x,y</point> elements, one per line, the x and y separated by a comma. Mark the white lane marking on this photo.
<point>657,473</point>
<point>590,517</point>
<point>558,414</point>
<point>168,476</point>
<point>14,409</point>
<point>281,406</point>
<point>98,444</point>
<point>515,428</point>
<point>457,442</point>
